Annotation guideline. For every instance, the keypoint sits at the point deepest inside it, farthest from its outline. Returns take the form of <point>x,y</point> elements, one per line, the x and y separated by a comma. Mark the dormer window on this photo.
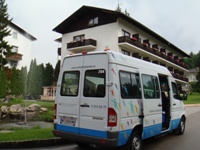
<point>94,21</point>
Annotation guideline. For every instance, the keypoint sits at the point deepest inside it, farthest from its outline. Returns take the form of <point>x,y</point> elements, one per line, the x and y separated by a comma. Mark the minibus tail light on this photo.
<point>112,117</point>
<point>55,110</point>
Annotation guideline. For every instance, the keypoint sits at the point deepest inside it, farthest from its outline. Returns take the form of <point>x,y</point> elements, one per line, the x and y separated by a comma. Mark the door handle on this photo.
<point>174,104</point>
<point>85,105</point>
<point>159,105</point>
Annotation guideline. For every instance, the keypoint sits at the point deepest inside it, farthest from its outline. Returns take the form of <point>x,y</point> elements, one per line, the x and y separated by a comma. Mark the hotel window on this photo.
<point>94,21</point>
<point>126,52</point>
<point>125,33</point>
<point>79,38</point>
<point>13,64</point>
<point>14,49</point>
<point>14,35</point>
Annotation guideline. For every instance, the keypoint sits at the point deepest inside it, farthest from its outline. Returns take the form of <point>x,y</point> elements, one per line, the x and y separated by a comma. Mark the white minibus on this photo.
<point>110,99</point>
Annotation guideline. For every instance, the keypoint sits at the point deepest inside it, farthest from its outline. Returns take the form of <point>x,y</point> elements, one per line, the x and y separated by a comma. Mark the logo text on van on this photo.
<point>80,67</point>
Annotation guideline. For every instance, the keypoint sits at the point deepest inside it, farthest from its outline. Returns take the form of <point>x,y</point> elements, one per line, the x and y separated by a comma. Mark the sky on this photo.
<point>178,21</point>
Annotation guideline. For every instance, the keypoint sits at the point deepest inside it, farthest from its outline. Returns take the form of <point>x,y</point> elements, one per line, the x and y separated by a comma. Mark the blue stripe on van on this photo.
<point>175,123</point>
<point>95,133</point>
<point>123,137</point>
<point>67,128</point>
<point>82,131</point>
<point>151,131</point>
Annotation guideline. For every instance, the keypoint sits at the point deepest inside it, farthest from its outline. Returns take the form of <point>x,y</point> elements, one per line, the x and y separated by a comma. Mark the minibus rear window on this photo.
<point>70,83</point>
<point>94,83</point>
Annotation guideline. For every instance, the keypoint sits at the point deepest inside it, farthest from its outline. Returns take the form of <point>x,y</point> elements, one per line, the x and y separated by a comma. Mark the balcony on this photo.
<point>153,53</point>
<point>84,45</point>
<point>15,57</point>
<point>180,77</point>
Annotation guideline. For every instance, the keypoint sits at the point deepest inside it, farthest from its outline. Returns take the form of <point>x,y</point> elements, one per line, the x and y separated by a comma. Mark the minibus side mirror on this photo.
<point>183,96</point>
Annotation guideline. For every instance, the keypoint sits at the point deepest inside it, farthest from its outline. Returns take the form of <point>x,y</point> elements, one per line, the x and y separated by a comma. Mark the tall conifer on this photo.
<point>5,48</point>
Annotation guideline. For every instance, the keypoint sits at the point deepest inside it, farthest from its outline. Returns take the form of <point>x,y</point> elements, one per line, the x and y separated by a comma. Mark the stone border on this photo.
<point>33,143</point>
<point>192,105</point>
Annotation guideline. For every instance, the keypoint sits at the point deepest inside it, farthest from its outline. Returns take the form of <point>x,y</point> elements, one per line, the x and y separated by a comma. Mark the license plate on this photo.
<point>69,121</point>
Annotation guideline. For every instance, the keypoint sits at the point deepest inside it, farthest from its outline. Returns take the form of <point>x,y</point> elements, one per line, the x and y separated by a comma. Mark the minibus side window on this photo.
<point>174,90</point>
<point>151,87</point>
<point>70,83</point>
<point>94,83</point>
<point>130,85</point>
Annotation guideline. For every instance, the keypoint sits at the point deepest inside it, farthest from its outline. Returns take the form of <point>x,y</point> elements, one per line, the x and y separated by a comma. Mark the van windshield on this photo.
<point>70,82</point>
<point>94,83</point>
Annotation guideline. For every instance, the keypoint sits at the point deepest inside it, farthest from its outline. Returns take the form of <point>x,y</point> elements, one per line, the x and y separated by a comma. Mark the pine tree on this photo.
<point>40,81</point>
<point>32,80</point>
<point>24,77</point>
<point>48,72</point>
<point>5,48</point>
<point>3,83</point>
<point>16,82</point>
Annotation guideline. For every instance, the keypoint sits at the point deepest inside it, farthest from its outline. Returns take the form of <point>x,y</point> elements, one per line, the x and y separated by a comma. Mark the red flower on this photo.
<point>134,38</point>
<point>145,44</point>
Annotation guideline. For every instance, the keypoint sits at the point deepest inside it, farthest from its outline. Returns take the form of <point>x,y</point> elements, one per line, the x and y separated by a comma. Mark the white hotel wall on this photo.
<point>105,35</point>
<point>24,45</point>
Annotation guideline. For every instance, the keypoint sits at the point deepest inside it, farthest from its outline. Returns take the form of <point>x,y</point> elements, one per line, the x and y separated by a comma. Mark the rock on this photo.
<point>4,109</point>
<point>18,112</point>
<point>16,109</point>
<point>43,109</point>
<point>33,108</point>
<point>31,115</point>
<point>8,98</point>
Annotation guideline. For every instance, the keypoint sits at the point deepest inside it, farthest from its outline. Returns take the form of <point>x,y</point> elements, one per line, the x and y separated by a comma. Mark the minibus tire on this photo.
<point>181,128</point>
<point>135,142</point>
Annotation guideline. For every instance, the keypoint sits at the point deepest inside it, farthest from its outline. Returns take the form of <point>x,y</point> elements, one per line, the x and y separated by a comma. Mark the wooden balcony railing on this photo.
<point>81,43</point>
<point>16,56</point>
<point>154,50</point>
<point>179,76</point>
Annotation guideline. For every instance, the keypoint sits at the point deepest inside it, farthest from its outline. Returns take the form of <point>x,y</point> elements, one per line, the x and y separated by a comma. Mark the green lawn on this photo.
<point>46,104</point>
<point>27,134</point>
<point>193,98</point>
<point>36,132</point>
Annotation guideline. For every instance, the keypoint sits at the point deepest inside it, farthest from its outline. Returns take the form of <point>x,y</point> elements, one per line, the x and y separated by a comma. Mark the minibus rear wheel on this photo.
<point>135,141</point>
